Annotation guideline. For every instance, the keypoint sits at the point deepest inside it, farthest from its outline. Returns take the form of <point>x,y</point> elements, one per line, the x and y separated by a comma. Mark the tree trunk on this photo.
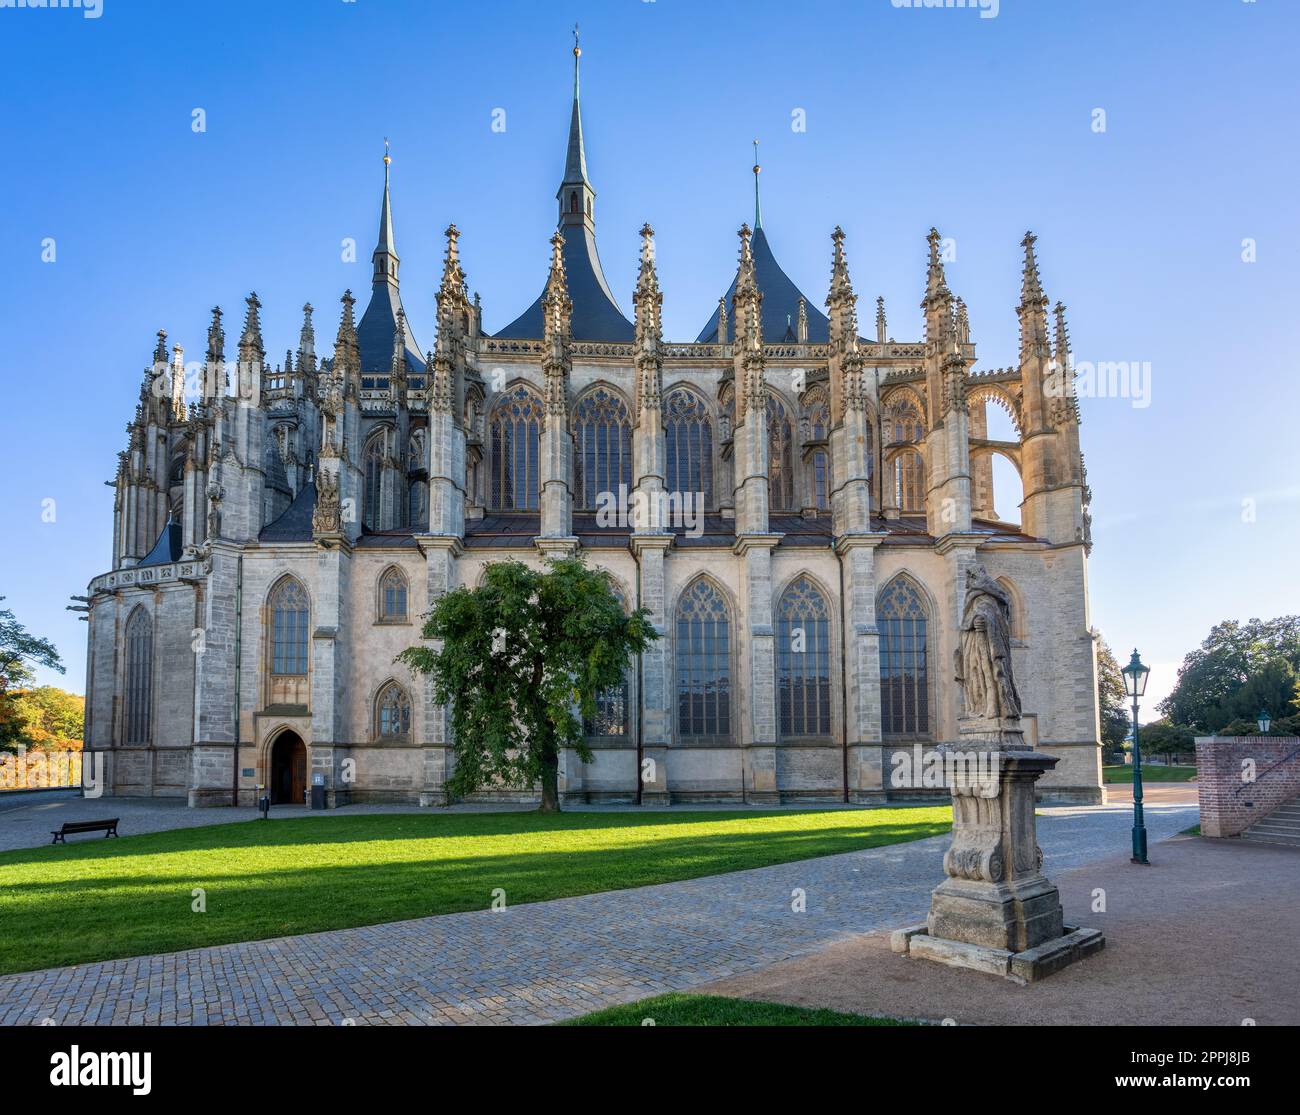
<point>550,779</point>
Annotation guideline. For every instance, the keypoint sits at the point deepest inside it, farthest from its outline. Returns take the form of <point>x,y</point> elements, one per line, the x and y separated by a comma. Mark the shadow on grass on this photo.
<point>57,922</point>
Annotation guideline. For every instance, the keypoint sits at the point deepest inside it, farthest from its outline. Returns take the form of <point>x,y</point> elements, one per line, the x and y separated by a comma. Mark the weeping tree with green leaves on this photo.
<point>521,660</point>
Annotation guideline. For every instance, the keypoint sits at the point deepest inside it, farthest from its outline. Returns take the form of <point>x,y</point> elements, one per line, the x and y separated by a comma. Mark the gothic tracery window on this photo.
<point>516,431</point>
<point>703,651</point>
<point>689,442</point>
<point>611,704</point>
<point>392,712</point>
<point>139,676</point>
<point>909,481</point>
<point>372,467</point>
<point>904,666</point>
<point>803,664</point>
<point>290,614</point>
<point>603,433</point>
<point>780,457</point>
<point>392,596</point>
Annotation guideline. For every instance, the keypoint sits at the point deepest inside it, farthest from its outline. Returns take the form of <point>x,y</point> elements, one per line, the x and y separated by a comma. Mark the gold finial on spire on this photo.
<point>387,157</point>
<point>577,50</point>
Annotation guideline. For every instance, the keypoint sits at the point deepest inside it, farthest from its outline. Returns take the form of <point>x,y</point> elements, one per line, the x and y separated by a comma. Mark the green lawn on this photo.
<point>1150,773</point>
<point>102,899</point>
<point>715,1010</point>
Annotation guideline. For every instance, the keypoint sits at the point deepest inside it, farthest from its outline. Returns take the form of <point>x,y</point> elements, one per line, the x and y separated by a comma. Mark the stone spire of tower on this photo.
<point>882,325</point>
<point>747,302</point>
<point>846,362</point>
<point>214,359</point>
<point>347,356</point>
<point>250,341</point>
<point>722,320</point>
<point>1062,351</point>
<point>397,369</point>
<point>455,315</point>
<point>1033,303</point>
<point>936,282</point>
<point>801,322</point>
<point>178,384</point>
<point>648,301</point>
<point>962,323</point>
<point>160,352</point>
<point>306,357</point>
<point>557,311</point>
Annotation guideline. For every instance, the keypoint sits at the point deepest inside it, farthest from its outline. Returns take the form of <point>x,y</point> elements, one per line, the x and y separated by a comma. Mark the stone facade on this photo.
<point>278,536</point>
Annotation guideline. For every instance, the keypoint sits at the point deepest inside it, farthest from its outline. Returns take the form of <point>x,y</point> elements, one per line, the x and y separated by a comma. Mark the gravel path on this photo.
<point>548,960</point>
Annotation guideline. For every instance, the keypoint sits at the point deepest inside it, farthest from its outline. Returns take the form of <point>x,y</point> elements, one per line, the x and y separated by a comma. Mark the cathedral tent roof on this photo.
<point>294,525</point>
<point>780,301</point>
<point>378,324</point>
<point>168,547</point>
<point>596,316</point>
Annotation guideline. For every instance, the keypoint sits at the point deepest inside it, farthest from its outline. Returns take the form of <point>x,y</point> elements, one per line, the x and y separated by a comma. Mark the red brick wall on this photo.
<point>1229,803</point>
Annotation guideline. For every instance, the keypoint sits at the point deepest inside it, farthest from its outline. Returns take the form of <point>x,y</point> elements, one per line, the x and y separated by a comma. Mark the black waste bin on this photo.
<point>318,791</point>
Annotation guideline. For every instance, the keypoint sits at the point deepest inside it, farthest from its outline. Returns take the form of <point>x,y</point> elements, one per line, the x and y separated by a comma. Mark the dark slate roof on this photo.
<point>377,328</point>
<point>780,298</point>
<point>168,547</point>
<point>295,524</point>
<point>596,316</point>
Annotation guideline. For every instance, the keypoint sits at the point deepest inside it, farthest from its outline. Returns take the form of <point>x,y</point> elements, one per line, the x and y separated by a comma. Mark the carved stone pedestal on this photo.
<point>996,912</point>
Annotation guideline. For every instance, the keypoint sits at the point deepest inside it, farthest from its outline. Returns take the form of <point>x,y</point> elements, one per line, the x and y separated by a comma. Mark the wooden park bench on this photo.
<point>108,828</point>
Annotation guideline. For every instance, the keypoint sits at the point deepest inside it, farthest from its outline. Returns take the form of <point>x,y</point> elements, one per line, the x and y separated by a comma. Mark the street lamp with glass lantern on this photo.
<point>1265,721</point>
<point>1135,684</point>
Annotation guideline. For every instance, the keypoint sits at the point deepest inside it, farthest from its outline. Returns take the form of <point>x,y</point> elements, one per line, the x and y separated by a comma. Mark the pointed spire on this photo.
<point>385,257</point>
<point>801,325</point>
<point>962,323</point>
<point>758,208</point>
<point>936,283</point>
<point>214,360</point>
<point>648,299</point>
<point>841,285</point>
<point>1062,353</point>
<point>1031,289</point>
<point>576,195</point>
<point>160,352</point>
<point>307,344</point>
<point>882,325</point>
<point>452,288</point>
<point>556,304</point>
<point>347,356</point>
<point>178,383</point>
<point>722,320</point>
<point>748,299</point>
<point>250,341</point>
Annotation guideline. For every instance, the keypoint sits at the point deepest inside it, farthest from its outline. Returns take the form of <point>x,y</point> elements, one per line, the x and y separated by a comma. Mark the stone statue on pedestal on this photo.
<point>996,911</point>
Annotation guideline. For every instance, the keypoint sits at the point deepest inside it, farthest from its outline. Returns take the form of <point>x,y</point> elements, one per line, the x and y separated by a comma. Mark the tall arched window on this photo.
<point>803,661</point>
<point>816,427</point>
<point>902,420</point>
<point>904,667</point>
<point>604,444</point>
<point>392,596</point>
<point>392,712</point>
<point>703,663</point>
<point>821,479</point>
<point>516,440</point>
<point>139,676</point>
<point>780,457</point>
<point>290,614</point>
<point>372,467</point>
<point>909,481</point>
<point>689,436</point>
<point>611,704</point>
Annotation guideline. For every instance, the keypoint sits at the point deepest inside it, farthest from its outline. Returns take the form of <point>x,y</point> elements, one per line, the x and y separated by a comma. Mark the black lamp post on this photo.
<point>1135,684</point>
<point>1265,721</point>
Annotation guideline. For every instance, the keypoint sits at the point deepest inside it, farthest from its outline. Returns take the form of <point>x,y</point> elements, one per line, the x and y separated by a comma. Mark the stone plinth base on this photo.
<point>1019,967</point>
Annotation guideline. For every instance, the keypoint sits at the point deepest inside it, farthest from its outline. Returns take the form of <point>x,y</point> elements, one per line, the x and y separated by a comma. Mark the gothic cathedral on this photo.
<point>803,506</point>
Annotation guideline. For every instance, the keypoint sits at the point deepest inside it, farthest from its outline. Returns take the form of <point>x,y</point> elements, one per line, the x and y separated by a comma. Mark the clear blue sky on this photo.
<point>982,127</point>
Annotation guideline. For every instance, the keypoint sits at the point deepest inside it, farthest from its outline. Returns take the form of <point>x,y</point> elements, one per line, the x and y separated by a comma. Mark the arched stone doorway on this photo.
<point>288,769</point>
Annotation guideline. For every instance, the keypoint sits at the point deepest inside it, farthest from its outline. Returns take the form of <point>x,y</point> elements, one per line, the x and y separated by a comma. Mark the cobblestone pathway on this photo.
<point>545,961</point>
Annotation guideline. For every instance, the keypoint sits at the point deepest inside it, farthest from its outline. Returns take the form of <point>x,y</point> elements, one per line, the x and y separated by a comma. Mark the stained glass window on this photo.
<point>703,663</point>
<point>803,661</point>
<point>904,666</point>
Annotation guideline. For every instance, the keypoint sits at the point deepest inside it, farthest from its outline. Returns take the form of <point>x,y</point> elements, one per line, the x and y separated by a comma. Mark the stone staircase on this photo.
<point>1282,826</point>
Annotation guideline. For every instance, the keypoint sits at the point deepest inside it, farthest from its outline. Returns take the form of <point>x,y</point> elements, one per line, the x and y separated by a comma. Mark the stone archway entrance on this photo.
<point>288,783</point>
